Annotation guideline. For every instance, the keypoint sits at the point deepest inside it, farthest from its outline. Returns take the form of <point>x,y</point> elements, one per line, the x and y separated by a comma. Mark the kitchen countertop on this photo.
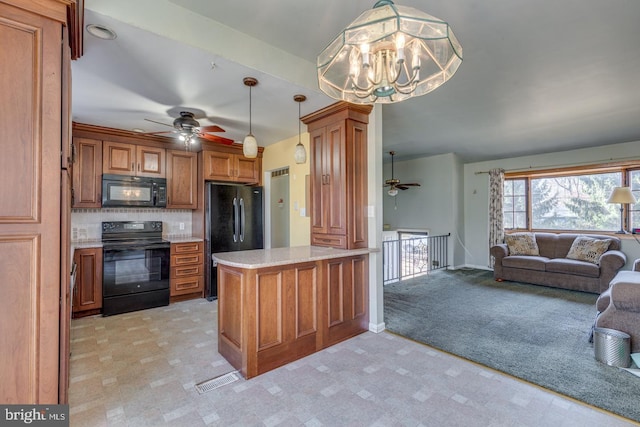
<point>182,239</point>
<point>259,258</point>
<point>83,244</point>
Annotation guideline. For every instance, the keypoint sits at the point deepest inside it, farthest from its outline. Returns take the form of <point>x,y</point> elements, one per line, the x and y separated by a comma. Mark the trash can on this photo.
<point>612,347</point>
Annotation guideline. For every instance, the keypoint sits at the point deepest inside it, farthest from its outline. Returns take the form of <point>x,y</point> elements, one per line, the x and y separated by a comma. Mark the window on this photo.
<point>570,199</point>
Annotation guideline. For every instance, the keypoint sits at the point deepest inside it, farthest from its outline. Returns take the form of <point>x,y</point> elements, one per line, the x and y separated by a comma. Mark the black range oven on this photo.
<point>135,274</point>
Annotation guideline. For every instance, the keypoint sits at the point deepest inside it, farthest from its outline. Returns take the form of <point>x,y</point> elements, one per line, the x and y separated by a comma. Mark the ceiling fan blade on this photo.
<point>213,128</point>
<point>410,184</point>
<point>218,139</point>
<point>160,123</point>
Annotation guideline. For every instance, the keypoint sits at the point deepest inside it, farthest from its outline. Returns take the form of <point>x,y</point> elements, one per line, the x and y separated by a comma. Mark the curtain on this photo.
<point>496,197</point>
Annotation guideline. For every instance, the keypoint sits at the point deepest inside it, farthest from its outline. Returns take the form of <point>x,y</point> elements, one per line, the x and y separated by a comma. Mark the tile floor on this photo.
<point>140,369</point>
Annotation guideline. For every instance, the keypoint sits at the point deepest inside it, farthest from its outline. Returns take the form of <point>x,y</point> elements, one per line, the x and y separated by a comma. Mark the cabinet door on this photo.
<point>247,170</point>
<point>88,289</point>
<point>318,179</point>
<point>182,174</point>
<point>87,173</point>
<point>150,161</point>
<point>30,207</point>
<point>218,166</point>
<point>346,295</point>
<point>335,192</point>
<point>118,158</point>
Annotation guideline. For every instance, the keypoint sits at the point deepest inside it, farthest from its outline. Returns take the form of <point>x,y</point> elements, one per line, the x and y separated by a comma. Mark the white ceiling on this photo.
<point>537,76</point>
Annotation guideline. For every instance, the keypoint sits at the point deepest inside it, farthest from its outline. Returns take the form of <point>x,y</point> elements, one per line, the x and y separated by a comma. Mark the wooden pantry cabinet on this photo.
<point>338,160</point>
<point>186,270</point>
<point>87,293</point>
<point>130,159</point>
<point>35,197</point>
<point>231,167</point>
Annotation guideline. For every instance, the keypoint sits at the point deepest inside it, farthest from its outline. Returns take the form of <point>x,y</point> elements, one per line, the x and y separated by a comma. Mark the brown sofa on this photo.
<point>552,268</point>
<point>619,306</point>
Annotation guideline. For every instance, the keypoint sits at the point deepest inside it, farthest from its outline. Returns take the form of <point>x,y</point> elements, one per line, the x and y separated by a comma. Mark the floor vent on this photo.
<point>218,382</point>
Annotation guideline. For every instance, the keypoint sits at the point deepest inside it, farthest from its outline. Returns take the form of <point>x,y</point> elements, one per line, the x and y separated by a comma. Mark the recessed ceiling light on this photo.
<point>101,32</point>
<point>138,130</point>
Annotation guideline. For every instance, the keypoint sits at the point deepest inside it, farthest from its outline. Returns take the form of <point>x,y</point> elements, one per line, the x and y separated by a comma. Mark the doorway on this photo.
<point>279,208</point>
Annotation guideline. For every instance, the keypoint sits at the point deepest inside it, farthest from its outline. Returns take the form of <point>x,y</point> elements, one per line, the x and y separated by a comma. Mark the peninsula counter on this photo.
<point>279,305</point>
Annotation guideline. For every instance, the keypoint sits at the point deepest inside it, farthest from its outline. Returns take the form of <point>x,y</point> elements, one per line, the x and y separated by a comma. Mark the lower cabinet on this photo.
<point>187,270</point>
<point>268,317</point>
<point>87,293</point>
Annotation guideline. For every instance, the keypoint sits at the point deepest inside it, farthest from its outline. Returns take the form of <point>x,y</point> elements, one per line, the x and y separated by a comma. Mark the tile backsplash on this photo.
<point>86,224</point>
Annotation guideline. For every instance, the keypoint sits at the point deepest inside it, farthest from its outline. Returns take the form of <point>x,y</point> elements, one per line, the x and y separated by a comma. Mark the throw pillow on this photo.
<point>522,244</point>
<point>588,249</point>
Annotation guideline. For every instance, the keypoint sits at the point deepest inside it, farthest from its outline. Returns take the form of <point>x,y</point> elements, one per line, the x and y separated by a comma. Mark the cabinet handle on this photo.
<point>133,166</point>
<point>138,167</point>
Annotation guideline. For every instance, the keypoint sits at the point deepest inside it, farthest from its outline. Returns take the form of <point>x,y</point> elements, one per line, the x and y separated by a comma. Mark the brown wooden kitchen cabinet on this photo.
<point>130,159</point>
<point>270,316</point>
<point>87,293</point>
<point>87,173</point>
<point>231,167</point>
<point>346,289</point>
<point>187,270</point>
<point>338,160</point>
<point>182,175</point>
<point>35,199</point>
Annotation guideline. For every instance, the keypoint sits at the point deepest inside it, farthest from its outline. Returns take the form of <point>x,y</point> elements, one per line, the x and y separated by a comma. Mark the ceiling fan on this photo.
<point>395,183</point>
<point>188,129</point>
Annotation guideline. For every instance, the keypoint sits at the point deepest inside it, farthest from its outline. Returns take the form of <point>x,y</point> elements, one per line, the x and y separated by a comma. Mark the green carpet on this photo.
<point>535,333</point>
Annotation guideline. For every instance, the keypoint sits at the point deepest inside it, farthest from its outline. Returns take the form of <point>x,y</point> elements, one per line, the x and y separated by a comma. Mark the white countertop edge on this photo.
<point>182,239</point>
<point>260,258</point>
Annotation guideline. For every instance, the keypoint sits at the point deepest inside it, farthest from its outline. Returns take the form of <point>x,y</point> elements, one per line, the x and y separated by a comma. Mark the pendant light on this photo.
<point>300,154</point>
<point>250,145</point>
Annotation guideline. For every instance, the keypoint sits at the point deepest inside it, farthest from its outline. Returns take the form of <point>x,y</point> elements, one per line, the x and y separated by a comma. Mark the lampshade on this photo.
<point>388,54</point>
<point>300,155</point>
<point>621,195</point>
<point>250,145</point>
<point>392,192</point>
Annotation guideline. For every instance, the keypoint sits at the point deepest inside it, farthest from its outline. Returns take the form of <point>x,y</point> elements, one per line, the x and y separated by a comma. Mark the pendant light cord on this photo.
<point>299,141</point>
<point>250,132</point>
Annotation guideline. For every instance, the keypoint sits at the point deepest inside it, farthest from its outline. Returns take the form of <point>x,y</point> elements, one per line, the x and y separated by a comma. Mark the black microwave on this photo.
<point>133,191</point>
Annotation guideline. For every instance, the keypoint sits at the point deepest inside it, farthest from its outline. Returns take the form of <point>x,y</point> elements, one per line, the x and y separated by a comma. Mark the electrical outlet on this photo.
<point>182,226</point>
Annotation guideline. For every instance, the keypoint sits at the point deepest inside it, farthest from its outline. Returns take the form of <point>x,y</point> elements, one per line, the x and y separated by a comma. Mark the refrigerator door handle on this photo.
<point>235,219</point>
<point>242,219</point>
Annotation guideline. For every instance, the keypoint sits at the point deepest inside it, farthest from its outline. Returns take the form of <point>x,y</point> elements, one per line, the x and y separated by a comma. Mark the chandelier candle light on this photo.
<point>250,145</point>
<point>300,155</point>
<point>621,195</point>
<point>388,54</point>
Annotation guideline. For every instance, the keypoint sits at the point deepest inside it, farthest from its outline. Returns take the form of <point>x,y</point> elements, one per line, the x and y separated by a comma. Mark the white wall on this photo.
<point>437,205</point>
<point>476,196</point>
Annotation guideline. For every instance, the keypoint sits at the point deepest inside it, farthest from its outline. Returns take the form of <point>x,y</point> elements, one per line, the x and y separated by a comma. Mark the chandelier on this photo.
<point>388,54</point>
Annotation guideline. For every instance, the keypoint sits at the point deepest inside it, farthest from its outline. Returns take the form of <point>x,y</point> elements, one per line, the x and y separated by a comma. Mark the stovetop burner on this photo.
<point>130,233</point>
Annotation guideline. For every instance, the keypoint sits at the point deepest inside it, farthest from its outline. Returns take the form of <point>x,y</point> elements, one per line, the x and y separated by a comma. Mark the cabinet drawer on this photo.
<point>187,285</point>
<point>181,248</point>
<point>187,270</point>
<point>185,259</point>
<point>331,241</point>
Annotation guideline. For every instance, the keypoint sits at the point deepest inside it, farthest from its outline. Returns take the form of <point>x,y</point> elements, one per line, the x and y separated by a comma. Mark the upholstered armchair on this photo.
<point>620,305</point>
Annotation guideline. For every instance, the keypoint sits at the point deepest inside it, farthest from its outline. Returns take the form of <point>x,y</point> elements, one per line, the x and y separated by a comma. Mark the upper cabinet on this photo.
<point>129,159</point>
<point>231,167</point>
<point>182,174</point>
<point>338,163</point>
<point>87,173</point>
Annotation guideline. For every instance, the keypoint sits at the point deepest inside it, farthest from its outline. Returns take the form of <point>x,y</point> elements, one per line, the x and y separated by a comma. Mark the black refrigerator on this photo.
<point>234,222</point>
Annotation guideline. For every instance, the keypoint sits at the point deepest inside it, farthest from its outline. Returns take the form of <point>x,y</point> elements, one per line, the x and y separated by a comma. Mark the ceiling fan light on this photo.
<point>392,192</point>
<point>250,147</point>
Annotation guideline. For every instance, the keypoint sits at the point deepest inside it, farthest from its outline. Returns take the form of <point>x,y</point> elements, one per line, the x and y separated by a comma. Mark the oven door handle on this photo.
<point>144,246</point>
<point>235,220</point>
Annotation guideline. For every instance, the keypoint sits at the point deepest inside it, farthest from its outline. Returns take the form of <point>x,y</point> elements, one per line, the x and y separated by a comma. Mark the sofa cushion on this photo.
<point>574,267</point>
<point>526,262</point>
<point>588,249</point>
<point>522,244</point>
